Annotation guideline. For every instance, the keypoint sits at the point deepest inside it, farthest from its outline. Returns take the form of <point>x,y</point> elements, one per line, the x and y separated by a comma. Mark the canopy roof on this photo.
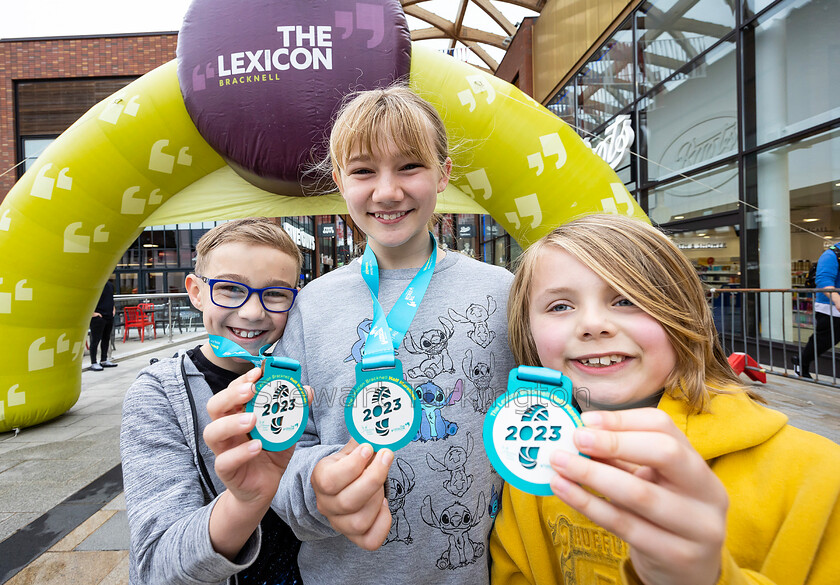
<point>475,31</point>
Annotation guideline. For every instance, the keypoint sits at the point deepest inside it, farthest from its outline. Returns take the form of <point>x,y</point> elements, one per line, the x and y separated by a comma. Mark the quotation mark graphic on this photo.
<point>165,163</point>
<point>43,185</point>
<point>478,84</point>
<point>368,17</point>
<point>118,106</point>
<point>13,398</point>
<point>477,179</point>
<point>76,243</point>
<point>132,205</point>
<point>551,145</point>
<point>22,293</point>
<point>527,206</point>
<point>621,197</point>
<point>41,359</point>
<point>199,80</point>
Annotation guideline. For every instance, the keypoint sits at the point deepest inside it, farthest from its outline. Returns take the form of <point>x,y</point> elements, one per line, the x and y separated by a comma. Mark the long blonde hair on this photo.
<point>642,264</point>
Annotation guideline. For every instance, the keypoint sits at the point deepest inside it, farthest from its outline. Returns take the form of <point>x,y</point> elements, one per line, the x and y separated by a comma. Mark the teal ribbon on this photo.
<point>224,347</point>
<point>387,331</point>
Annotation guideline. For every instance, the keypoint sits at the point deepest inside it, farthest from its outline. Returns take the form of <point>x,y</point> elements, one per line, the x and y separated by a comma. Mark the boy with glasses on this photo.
<point>198,490</point>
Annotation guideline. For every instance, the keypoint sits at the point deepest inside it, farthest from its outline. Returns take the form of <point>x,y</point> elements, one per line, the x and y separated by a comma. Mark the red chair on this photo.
<point>148,310</point>
<point>135,317</point>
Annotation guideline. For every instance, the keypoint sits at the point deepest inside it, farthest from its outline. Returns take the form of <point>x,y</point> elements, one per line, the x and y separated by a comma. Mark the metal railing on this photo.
<point>773,327</point>
<point>171,310</point>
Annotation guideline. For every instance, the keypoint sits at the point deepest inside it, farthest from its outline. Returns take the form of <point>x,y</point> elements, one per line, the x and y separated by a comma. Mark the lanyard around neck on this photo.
<point>387,331</point>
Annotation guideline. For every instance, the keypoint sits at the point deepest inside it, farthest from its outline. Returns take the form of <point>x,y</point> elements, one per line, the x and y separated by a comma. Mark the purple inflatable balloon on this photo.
<point>261,79</point>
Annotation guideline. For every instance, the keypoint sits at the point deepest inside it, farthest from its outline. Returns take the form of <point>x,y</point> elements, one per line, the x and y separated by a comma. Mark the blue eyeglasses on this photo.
<point>230,294</point>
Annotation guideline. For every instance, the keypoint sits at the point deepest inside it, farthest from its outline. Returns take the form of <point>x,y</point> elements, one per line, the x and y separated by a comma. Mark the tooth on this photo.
<point>604,360</point>
<point>615,359</point>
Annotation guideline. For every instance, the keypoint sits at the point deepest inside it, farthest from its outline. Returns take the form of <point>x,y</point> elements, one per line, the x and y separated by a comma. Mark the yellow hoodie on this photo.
<point>783,524</point>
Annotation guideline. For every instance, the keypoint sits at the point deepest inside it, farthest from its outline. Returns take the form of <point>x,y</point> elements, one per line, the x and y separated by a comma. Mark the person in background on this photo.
<point>101,326</point>
<point>826,313</point>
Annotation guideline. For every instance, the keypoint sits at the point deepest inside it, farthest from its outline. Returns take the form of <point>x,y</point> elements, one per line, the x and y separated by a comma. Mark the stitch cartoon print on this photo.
<point>481,375</point>
<point>478,315</point>
<point>433,425</point>
<point>455,462</point>
<point>398,489</point>
<point>433,344</point>
<point>455,521</point>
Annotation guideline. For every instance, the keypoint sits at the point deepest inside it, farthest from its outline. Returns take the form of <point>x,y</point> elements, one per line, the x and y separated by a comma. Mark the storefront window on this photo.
<point>715,253</point>
<point>692,120</point>
<point>563,105</point>
<point>704,194</point>
<point>799,207</point>
<point>672,33</point>
<point>796,86</point>
<point>605,85</point>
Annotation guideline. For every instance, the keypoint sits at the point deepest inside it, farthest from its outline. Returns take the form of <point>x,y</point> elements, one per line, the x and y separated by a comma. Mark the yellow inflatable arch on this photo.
<point>137,159</point>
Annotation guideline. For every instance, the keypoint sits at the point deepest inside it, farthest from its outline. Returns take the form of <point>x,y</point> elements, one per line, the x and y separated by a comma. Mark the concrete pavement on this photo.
<point>62,513</point>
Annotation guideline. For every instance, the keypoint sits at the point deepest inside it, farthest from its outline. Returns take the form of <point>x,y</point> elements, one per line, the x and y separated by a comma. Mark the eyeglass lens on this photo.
<point>233,295</point>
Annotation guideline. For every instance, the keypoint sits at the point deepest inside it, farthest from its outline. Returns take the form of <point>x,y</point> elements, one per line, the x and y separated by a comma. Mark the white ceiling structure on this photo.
<point>476,31</point>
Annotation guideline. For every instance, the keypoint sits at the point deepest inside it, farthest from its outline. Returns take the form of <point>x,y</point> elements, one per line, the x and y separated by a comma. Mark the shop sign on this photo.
<point>705,141</point>
<point>326,230</point>
<point>703,246</point>
<point>615,142</point>
<point>300,237</point>
<point>466,230</point>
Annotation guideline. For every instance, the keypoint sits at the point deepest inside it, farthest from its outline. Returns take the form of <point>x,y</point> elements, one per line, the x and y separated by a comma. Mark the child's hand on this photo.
<point>350,492</point>
<point>249,473</point>
<point>660,496</point>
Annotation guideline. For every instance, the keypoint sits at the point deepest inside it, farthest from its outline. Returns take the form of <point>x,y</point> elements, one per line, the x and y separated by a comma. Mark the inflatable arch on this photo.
<point>137,159</point>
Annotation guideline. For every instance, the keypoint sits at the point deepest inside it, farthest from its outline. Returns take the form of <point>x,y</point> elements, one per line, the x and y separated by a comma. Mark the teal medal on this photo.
<point>525,424</point>
<point>280,402</point>
<point>382,409</point>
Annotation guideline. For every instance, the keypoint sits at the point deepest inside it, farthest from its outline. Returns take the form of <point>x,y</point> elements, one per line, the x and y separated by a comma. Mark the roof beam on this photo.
<point>497,16</point>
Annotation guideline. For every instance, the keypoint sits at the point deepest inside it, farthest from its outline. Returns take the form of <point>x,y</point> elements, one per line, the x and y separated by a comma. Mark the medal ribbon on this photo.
<point>387,331</point>
<point>224,347</point>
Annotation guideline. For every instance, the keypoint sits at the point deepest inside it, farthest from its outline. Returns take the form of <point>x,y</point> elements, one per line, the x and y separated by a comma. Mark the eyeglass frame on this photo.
<point>211,281</point>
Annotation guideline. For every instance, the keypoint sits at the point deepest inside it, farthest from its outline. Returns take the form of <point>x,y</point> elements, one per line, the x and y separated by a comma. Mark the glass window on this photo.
<point>799,206</point>
<point>562,105</point>
<point>711,192</point>
<point>753,7</point>
<point>715,253</point>
<point>127,283</point>
<point>32,149</point>
<point>605,85</point>
<point>500,257</point>
<point>796,81</point>
<point>673,33</point>
<point>692,119</point>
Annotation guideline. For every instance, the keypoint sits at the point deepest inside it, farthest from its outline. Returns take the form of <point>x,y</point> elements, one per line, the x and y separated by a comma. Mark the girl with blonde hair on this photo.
<point>683,477</point>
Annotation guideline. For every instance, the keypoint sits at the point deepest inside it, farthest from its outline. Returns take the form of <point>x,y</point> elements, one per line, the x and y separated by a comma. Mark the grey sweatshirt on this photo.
<point>165,495</point>
<point>441,487</point>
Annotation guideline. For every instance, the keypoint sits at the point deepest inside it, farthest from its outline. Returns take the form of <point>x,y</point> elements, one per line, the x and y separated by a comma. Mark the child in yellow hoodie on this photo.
<point>688,480</point>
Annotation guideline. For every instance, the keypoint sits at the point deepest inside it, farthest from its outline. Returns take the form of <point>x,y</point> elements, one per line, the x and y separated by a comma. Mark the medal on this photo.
<point>280,402</point>
<point>527,423</point>
<point>382,409</point>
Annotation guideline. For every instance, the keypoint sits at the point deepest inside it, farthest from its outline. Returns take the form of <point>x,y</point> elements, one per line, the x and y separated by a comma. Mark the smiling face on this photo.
<point>391,196</point>
<point>587,330</point>
<point>250,326</point>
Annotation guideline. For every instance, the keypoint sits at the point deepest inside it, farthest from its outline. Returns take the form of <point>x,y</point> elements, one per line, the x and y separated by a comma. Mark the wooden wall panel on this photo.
<point>566,33</point>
